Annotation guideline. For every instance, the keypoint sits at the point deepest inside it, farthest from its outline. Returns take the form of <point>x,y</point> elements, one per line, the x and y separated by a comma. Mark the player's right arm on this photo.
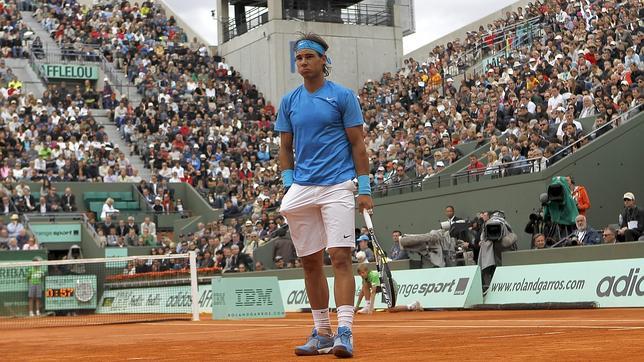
<point>286,151</point>
<point>286,158</point>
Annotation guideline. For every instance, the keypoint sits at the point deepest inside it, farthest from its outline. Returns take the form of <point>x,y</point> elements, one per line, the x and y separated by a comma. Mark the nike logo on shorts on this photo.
<point>347,236</point>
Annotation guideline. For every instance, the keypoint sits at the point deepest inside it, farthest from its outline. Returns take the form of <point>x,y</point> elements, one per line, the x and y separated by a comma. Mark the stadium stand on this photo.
<point>200,122</point>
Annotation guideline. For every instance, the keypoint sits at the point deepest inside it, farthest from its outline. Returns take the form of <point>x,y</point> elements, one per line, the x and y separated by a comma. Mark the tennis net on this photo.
<point>99,291</point>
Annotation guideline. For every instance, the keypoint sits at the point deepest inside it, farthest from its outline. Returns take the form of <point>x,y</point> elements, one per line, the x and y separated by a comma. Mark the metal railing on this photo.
<point>489,48</point>
<point>252,19</point>
<point>536,164</point>
<point>359,14</point>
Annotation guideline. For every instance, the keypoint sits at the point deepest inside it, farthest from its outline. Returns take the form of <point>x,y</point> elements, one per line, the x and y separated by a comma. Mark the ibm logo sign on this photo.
<point>253,297</point>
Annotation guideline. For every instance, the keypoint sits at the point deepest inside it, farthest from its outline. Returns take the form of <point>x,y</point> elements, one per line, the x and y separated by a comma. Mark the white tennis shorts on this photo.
<point>320,216</point>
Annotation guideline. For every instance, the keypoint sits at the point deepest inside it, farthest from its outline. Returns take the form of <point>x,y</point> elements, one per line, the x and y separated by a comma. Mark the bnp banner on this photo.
<point>246,298</point>
<point>13,279</point>
<point>56,233</point>
<point>610,283</point>
<point>457,287</point>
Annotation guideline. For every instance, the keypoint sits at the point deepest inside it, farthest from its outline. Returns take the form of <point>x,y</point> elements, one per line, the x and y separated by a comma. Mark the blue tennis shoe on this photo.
<point>315,345</point>
<point>343,343</point>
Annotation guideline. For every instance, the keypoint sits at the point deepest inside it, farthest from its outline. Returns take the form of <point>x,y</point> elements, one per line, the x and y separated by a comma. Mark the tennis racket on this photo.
<point>386,281</point>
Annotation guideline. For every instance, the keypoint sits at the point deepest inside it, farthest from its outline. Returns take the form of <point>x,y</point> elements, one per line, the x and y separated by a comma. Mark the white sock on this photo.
<point>345,316</point>
<point>321,320</point>
<point>368,305</point>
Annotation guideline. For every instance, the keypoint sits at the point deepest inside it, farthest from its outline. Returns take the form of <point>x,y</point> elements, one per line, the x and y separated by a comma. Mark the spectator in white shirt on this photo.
<point>108,208</point>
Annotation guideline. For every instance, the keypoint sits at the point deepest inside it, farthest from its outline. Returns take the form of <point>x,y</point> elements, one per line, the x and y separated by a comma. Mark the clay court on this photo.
<point>597,334</point>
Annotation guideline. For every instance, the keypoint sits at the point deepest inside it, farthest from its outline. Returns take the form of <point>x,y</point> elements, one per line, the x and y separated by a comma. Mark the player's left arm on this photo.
<point>353,122</point>
<point>359,153</point>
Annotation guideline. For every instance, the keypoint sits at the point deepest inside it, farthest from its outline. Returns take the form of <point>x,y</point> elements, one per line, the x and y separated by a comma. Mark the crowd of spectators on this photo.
<point>583,63</point>
<point>53,139</point>
<point>200,122</point>
<point>14,236</point>
<point>13,31</point>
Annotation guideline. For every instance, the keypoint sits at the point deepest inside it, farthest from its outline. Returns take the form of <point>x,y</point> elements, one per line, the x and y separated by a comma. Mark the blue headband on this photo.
<point>310,44</point>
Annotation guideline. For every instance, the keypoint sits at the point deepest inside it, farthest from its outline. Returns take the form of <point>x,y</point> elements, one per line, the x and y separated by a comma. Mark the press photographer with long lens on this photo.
<point>496,238</point>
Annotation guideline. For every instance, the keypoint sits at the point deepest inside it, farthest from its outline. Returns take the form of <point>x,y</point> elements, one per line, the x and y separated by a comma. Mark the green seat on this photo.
<point>96,196</point>
<point>123,196</point>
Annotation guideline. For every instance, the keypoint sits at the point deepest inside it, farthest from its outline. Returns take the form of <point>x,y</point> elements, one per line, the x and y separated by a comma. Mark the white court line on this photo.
<point>203,332</point>
<point>414,326</point>
<point>513,335</point>
<point>415,320</point>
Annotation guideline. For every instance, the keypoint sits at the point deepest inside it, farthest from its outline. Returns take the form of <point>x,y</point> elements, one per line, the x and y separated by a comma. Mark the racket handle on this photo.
<point>367,219</point>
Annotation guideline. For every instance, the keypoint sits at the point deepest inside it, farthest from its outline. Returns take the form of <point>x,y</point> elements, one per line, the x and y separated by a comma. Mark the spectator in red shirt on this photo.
<point>475,165</point>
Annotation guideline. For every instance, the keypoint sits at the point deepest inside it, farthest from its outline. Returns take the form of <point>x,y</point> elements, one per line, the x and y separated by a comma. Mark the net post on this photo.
<point>194,289</point>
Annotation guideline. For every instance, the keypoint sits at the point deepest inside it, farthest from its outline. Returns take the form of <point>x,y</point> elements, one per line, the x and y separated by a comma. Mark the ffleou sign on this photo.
<point>456,287</point>
<point>246,298</point>
<point>70,71</point>
<point>609,283</point>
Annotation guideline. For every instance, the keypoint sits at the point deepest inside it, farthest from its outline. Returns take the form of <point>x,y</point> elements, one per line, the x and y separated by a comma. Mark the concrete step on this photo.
<point>115,137</point>
<point>47,41</point>
<point>30,80</point>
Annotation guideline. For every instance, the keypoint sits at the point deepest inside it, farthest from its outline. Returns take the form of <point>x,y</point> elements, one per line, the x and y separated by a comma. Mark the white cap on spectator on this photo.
<point>559,56</point>
<point>625,82</point>
<point>516,64</point>
<point>449,80</point>
<point>428,124</point>
<point>561,109</point>
<point>248,223</point>
<point>381,168</point>
<point>105,79</point>
<point>440,164</point>
<point>39,101</point>
<point>629,196</point>
<point>558,37</point>
<point>490,70</point>
<point>510,71</point>
<point>532,60</point>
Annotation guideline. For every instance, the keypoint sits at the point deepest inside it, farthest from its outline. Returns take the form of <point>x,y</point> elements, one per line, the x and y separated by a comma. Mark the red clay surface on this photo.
<point>570,335</point>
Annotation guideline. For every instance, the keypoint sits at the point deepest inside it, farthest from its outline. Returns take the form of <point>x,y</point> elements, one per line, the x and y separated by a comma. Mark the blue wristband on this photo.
<point>364,185</point>
<point>287,178</point>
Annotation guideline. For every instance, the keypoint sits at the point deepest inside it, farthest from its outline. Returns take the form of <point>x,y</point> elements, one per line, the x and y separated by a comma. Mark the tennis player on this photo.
<point>322,149</point>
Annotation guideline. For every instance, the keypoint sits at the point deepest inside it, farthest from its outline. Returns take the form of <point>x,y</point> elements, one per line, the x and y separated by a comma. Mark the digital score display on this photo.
<point>70,292</point>
<point>60,293</point>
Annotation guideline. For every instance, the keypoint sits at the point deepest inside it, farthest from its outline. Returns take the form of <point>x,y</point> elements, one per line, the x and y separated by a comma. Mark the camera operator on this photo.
<point>496,238</point>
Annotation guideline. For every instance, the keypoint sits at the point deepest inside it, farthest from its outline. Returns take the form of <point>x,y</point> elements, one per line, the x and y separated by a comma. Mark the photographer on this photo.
<point>497,237</point>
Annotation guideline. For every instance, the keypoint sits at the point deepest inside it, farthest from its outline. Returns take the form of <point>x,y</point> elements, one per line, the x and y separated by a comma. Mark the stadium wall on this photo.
<point>357,52</point>
<point>422,52</point>
<point>607,167</point>
<point>631,250</point>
